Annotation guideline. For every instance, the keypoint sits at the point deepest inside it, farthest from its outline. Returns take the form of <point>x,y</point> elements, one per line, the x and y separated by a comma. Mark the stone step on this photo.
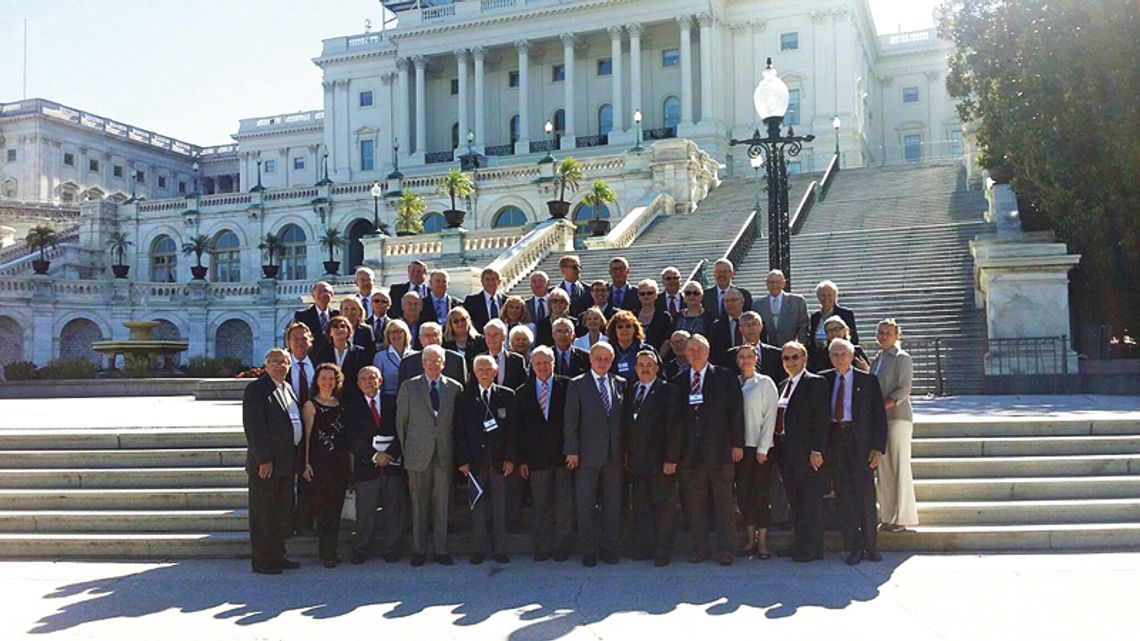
<point>202,477</point>
<point>1126,510</point>
<point>235,520</point>
<point>996,426</point>
<point>993,538</point>
<point>1036,466</point>
<point>1026,446</point>
<point>1027,489</point>
<point>176,498</point>
<point>126,438</point>
<point>181,458</point>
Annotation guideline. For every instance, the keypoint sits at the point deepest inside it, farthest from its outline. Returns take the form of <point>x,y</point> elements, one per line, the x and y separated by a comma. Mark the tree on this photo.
<point>198,245</point>
<point>273,247</point>
<point>331,240</point>
<point>118,243</point>
<point>600,194</point>
<point>456,184</point>
<point>568,173</point>
<point>41,237</point>
<point>410,210</point>
<point>1053,87</point>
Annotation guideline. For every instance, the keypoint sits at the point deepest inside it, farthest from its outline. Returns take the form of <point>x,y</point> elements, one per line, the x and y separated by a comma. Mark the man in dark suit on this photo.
<point>272,424</point>
<point>411,306</point>
<point>538,305</point>
<point>670,299</point>
<point>678,340</point>
<point>417,273</point>
<point>723,271</point>
<point>454,367</point>
<point>317,315</point>
<point>378,471</point>
<point>652,447</point>
<point>569,361</point>
<point>726,332</point>
<point>540,404</point>
<point>557,305</point>
<point>485,304</point>
<point>767,356</point>
<point>859,423</point>
<point>592,445</point>
<point>381,304</point>
<point>365,280</point>
<point>711,407</point>
<point>800,443</point>
<point>438,302</point>
<point>485,449</point>
<point>622,295</point>
<point>511,370</point>
<point>571,269</point>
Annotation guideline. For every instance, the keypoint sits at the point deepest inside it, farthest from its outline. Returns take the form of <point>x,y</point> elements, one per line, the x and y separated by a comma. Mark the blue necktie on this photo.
<point>494,308</point>
<point>604,390</point>
<point>435,397</point>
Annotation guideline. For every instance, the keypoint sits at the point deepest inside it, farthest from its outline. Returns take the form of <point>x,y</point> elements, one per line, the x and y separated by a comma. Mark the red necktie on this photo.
<point>672,305</point>
<point>696,388</point>
<point>738,337</point>
<point>304,395</point>
<point>542,400</point>
<point>780,410</point>
<point>375,414</point>
<point>838,414</point>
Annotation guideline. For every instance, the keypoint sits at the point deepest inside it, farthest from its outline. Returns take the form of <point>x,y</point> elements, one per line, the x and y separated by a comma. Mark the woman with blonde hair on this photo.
<point>595,321</point>
<point>895,488</point>
<point>513,313</point>
<point>361,332</point>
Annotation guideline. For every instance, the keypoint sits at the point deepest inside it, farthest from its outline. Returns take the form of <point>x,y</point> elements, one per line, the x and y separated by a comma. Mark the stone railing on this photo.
<point>491,240</point>
<point>98,123</point>
<point>892,42</point>
<point>635,222</point>
<point>224,200</point>
<point>523,256</point>
<point>280,121</point>
<point>307,193</point>
<point>24,262</point>
<point>418,245</point>
<point>149,206</point>
<point>22,249</point>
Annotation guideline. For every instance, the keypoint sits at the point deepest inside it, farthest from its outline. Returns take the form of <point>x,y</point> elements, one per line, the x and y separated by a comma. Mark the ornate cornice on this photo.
<point>615,31</point>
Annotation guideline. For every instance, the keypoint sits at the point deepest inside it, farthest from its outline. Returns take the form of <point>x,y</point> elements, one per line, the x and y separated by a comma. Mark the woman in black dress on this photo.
<point>326,456</point>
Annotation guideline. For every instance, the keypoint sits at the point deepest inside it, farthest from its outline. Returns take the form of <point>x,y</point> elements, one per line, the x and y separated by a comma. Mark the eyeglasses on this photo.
<point>458,321</point>
<point>692,293</point>
<point>623,326</point>
<point>793,357</point>
<point>646,294</point>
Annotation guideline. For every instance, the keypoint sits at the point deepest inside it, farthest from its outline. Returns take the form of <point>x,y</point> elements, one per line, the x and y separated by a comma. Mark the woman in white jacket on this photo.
<point>753,472</point>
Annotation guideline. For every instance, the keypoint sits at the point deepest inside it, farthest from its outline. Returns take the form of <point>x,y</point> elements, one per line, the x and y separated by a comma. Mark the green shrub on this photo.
<point>69,368</point>
<point>206,367</point>
<point>20,371</point>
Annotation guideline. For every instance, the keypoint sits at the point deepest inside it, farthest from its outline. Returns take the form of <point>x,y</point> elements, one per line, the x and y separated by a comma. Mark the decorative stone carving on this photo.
<point>567,38</point>
<point>522,45</point>
<point>615,31</point>
<point>478,52</point>
<point>685,22</point>
<point>705,19</point>
<point>634,28</point>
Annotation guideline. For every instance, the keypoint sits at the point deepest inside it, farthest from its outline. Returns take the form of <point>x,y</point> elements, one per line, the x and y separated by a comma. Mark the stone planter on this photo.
<point>270,271</point>
<point>199,272</point>
<point>41,266</point>
<point>332,267</point>
<point>599,227</point>
<point>454,217</point>
<point>120,271</point>
<point>558,208</point>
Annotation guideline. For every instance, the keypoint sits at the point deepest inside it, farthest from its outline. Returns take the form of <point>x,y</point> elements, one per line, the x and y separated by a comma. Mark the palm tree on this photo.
<point>331,240</point>
<point>600,194</point>
<point>273,247</point>
<point>568,173</point>
<point>410,210</point>
<point>456,184</point>
<point>41,237</point>
<point>118,243</point>
<point>198,245</point>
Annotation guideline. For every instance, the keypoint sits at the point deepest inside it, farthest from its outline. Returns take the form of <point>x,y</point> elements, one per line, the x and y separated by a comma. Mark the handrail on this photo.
<point>22,249</point>
<point>633,224</point>
<point>828,176</point>
<point>743,241</point>
<point>698,274</point>
<point>532,249</point>
<point>814,194</point>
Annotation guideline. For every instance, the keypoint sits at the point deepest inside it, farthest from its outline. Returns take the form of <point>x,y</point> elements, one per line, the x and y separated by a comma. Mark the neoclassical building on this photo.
<point>647,93</point>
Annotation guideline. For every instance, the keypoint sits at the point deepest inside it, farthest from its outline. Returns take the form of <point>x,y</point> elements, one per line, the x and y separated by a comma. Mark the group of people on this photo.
<point>707,399</point>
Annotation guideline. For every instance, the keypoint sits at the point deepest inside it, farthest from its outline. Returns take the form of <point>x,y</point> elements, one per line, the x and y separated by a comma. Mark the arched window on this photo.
<point>455,136</point>
<point>434,222</point>
<point>605,119</point>
<point>294,254</point>
<point>513,127</point>
<point>234,339</point>
<point>8,189</point>
<point>225,264</point>
<point>559,121</point>
<point>671,109</point>
<point>163,260</point>
<point>76,337</point>
<point>585,213</point>
<point>510,216</point>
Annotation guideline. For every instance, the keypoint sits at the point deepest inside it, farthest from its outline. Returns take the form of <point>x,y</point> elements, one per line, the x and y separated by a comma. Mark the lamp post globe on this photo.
<point>771,95</point>
<point>549,157</point>
<point>376,192</point>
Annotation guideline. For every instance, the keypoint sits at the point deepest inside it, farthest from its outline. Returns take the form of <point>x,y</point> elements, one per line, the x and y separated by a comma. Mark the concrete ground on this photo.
<point>1039,597</point>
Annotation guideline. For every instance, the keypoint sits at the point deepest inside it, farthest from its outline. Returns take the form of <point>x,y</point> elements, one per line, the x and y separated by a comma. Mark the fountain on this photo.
<point>141,351</point>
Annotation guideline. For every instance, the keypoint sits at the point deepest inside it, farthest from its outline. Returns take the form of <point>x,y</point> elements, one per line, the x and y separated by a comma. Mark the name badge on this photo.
<point>696,399</point>
<point>623,367</point>
<point>783,402</point>
<point>380,443</point>
<point>490,425</point>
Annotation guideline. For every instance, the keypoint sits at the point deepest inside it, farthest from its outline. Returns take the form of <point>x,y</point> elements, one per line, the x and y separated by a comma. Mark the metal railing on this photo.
<point>591,141</point>
<point>500,150</point>
<point>438,156</point>
<point>660,133</point>
<point>743,241</point>
<point>541,145</point>
<point>1038,356</point>
<point>698,274</point>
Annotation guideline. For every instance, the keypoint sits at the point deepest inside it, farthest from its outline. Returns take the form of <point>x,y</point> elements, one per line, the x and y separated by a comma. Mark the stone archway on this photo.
<point>11,340</point>
<point>75,340</point>
<point>234,338</point>
<point>354,254</point>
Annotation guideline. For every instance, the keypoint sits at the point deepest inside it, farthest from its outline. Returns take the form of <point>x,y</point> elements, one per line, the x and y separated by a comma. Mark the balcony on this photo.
<point>411,16</point>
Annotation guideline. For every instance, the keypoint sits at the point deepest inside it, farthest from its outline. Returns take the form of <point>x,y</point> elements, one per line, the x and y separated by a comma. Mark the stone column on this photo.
<point>523,144</point>
<point>329,131</point>
<point>686,23</point>
<point>404,137</point>
<point>634,68</point>
<point>616,77</point>
<point>385,142</point>
<point>461,65</point>
<point>345,146</point>
<point>568,141</point>
<point>421,107</point>
<point>706,22</point>
<point>478,54</point>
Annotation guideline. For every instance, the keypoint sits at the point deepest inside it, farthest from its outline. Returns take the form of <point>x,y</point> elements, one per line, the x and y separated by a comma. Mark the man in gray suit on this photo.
<point>425,409</point>
<point>785,314</point>
<point>592,443</point>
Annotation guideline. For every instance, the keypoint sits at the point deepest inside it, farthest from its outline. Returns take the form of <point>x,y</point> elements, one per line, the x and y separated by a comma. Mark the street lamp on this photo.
<point>636,131</point>
<point>376,192</point>
<point>470,140</point>
<point>771,102</point>
<point>757,163</point>
<point>325,158</point>
<point>194,167</point>
<point>395,179</point>
<point>258,186</point>
<point>835,125</point>
<point>549,157</point>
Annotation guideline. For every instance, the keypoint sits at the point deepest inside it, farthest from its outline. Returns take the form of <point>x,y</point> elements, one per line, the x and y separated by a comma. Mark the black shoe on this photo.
<point>357,559</point>
<point>443,559</point>
<point>418,560</point>
<point>873,556</point>
<point>330,563</point>
<point>257,570</point>
<point>478,558</point>
<point>559,557</point>
<point>763,556</point>
<point>589,560</point>
<point>609,559</point>
<point>854,557</point>
<point>391,557</point>
<point>500,558</point>
<point>286,564</point>
<point>661,562</point>
<point>724,558</point>
<point>539,557</point>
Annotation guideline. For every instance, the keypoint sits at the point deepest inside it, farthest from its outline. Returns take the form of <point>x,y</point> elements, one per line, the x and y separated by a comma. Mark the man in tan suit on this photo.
<point>785,314</point>
<point>425,409</point>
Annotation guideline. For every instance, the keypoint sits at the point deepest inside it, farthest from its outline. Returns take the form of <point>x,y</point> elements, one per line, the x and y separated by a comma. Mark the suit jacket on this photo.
<point>806,418</point>
<point>423,435</point>
<point>590,433</point>
<point>396,293</point>
<point>713,293</point>
<point>579,296</point>
<point>363,337</point>
<point>472,349</point>
<point>361,431</point>
<point>721,339</point>
<point>366,303</point>
<point>659,329</point>
<point>354,360</point>
<point>544,332</point>
<point>472,442</point>
<point>770,364</point>
<point>476,305</point>
<point>714,427</point>
<point>515,373</point>
<point>427,314</point>
<point>377,326</point>
<point>454,366</point>
<point>847,315</point>
<point>532,309</point>
<point>793,320</point>
<point>414,328</point>
<point>268,429</point>
<point>868,418</point>
<point>309,317</point>
<point>895,371</point>
<point>673,367</point>
<point>653,437</point>
<point>628,300</point>
<point>663,305</point>
<point>540,438</point>
<point>579,362</point>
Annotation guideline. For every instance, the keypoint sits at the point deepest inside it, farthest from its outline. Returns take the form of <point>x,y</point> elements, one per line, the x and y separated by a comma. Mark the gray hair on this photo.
<point>698,339</point>
<point>563,321</point>
<point>841,345</point>
<point>430,327</point>
<point>602,345</point>
<point>826,284</point>
<point>542,350</point>
<point>278,350</point>
<point>750,316</point>
<point>365,270</point>
<point>521,329</point>
<point>485,358</point>
<point>835,320</point>
<point>433,349</point>
<point>495,323</point>
<point>725,263</point>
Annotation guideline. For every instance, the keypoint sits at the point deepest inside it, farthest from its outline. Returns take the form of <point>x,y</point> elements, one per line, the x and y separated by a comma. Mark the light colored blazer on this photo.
<point>760,399</point>
<point>794,318</point>
<point>895,371</point>
<point>422,434</point>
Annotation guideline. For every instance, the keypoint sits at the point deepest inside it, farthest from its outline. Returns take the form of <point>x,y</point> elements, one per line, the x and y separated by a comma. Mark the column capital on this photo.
<point>419,61</point>
<point>402,64</point>
<point>387,78</point>
<point>634,29</point>
<point>478,52</point>
<point>614,31</point>
<point>705,19</point>
<point>685,22</point>
<point>460,54</point>
<point>342,84</point>
<point>522,45</point>
<point>328,85</point>
<point>567,38</point>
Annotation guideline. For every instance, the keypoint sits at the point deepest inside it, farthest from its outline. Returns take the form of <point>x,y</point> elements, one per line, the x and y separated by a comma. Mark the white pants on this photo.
<point>895,488</point>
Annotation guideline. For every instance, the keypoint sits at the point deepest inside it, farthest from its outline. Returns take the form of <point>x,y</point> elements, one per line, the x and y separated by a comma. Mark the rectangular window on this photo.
<point>455,86</point>
<point>512,78</point>
<point>605,66</point>
<point>162,182</point>
<point>365,98</point>
<point>181,186</point>
<point>117,171</point>
<point>69,159</point>
<point>366,157</point>
<point>956,142</point>
<point>140,176</point>
<point>270,166</point>
<point>557,73</point>
<point>299,162</point>
<point>792,117</point>
<point>93,165</point>
<point>910,94</point>
<point>789,41</point>
<point>670,57</point>
<point>912,147</point>
<point>11,155</point>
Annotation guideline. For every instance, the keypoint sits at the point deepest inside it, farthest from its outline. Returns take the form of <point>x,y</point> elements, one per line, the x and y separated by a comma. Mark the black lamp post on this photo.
<point>376,192</point>
<point>325,158</point>
<point>395,179</point>
<point>771,101</point>
<point>549,157</point>
<point>835,122</point>
<point>636,132</point>
<point>258,186</point>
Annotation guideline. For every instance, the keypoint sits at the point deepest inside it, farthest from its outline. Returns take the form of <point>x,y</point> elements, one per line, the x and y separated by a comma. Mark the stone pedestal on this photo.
<point>267,291</point>
<point>452,238</point>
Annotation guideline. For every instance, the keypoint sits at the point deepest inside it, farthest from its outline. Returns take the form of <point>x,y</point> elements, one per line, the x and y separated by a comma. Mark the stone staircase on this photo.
<point>984,484</point>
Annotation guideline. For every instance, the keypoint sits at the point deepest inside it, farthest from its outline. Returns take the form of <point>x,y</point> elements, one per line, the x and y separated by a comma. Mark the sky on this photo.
<point>190,70</point>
